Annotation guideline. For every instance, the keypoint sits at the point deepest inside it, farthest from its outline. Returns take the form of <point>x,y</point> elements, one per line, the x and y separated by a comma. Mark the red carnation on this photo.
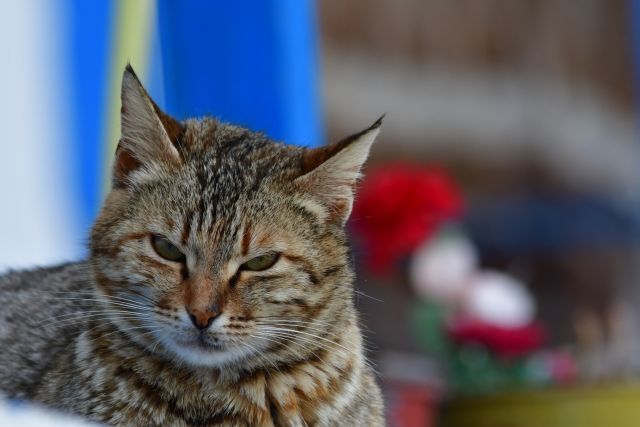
<point>398,207</point>
<point>506,342</point>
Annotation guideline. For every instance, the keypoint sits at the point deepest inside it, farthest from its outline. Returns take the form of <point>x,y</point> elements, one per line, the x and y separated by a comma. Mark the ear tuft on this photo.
<point>315,157</point>
<point>330,173</point>
<point>145,142</point>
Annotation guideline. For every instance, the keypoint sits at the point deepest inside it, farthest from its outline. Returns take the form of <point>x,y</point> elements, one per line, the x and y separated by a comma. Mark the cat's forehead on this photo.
<point>223,149</point>
<point>225,167</point>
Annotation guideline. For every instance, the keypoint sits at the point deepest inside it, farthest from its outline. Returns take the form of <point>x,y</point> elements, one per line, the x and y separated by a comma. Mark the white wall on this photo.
<point>35,204</point>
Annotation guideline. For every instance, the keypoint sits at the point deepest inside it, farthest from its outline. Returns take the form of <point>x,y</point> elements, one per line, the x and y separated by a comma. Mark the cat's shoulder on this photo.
<point>39,315</point>
<point>72,275</point>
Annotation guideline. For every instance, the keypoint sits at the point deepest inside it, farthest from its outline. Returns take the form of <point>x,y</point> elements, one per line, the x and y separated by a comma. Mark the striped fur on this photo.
<point>110,338</point>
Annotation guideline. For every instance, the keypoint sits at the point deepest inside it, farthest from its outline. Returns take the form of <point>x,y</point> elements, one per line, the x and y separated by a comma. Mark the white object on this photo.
<point>440,268</point>
<point>37,214</point>
<point>498,299</point>
<point>27,415</point>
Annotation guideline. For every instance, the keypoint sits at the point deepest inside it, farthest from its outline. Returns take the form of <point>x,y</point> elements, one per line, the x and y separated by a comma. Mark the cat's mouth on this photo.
<point>204,348</point>
<point>202,343</point>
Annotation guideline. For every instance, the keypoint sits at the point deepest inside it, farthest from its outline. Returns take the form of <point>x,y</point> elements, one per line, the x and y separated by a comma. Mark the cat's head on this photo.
<point>217,244</point>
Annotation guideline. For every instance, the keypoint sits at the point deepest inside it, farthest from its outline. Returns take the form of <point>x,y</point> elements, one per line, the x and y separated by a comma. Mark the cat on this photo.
<point>218,290</point>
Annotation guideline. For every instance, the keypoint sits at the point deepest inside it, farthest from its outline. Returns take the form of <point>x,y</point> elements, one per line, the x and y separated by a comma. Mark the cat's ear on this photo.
<point>148,136</point>
<point>330,173</point>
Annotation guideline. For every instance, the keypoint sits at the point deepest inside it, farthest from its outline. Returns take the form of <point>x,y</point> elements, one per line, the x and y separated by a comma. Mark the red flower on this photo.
<point>506,342</point>
<point>398,207</point>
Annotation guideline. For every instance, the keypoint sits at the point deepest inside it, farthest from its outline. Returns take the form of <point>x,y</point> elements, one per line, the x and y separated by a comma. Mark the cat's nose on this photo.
<point>202,319</point>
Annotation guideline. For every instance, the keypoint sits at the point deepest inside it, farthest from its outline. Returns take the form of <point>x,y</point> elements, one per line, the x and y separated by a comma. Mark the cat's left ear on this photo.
<point>149,137</point>
<point>330,173</point>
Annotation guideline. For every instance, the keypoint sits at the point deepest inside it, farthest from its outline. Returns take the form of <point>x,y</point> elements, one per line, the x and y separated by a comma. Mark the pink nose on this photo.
<point>202,319</point>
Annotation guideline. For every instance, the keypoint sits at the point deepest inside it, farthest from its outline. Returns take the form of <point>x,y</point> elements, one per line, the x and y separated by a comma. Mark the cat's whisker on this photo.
<point>357,291</point>
<point>96,296</point>
<point>313,330</point>
<point>295,322</point>
<point>108,309</point>
<point>142,334</point>
<point>302,325</point>
<point>290,339</point>
<point>105,309</point>
<point>78,316</point>
<point>125,330</point>
<point>296,338</point>
<point>81,314</point>
<point>297,326</point>
<point>319,322</point>
<point>106,317</point>
<point>272,338</point>
<point>256,352</point>
<point>299,341</point>
<point>98,310</point>
<point>142,295</point>
<point>363,294</point>
<point>310,340</point>
<point>102,301</point>
<point>140,319</point>
<point>311,336</point>
<point>156,345</point>
<point>288,319</point>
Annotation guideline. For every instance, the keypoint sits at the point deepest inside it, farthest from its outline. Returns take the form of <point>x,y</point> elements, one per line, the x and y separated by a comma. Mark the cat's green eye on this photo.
<point>261,262</point>
<point>166,249</point>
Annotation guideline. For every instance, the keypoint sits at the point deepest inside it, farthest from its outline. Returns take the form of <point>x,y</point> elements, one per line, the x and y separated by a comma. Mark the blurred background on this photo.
<point>496,233</point>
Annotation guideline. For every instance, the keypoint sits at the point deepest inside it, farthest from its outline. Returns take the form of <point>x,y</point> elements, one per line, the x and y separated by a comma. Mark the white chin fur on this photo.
<point>204,357</point>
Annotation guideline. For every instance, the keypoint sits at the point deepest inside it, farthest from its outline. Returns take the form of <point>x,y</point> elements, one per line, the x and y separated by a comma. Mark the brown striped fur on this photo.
<point>111,338</point>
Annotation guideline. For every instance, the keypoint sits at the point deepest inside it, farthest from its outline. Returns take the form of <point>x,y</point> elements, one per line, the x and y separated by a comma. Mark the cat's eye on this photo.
<point>261,262</point>
<point>166,249</point>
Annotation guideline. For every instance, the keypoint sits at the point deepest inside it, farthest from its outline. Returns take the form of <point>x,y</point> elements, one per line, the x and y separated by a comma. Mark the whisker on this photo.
<point>104,317</point>
<point>101,296</point>
<point>76,316</point>
<point>320,322</point>
<point>286,345</point>
<point>142,295</point>
<point>357,292</point>
<point>256,352</point>
<point>124,330</point>
<point>294,324</point>
<point>79,315</point>
<point>103,301</point>
<point>298,340</point>
<point>310,340</point>
<point>291,341</point>
<point>311,335</point>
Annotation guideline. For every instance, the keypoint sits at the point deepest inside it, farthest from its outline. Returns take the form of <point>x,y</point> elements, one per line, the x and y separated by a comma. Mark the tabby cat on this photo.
<point>218,290</point>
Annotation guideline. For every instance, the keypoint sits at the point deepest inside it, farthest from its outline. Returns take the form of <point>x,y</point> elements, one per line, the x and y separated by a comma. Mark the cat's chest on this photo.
<point>305,394</point>
<point>302,395</point>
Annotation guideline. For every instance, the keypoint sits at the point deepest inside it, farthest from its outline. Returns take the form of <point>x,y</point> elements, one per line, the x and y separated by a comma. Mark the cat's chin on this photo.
<point>204,354</point>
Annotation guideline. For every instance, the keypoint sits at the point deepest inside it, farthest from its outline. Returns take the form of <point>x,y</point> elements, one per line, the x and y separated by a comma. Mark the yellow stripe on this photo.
<point>132,41</point>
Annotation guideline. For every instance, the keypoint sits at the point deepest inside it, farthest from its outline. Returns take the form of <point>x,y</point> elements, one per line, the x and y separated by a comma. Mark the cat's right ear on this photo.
<point>330,173</point>
<point>148,136</point>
